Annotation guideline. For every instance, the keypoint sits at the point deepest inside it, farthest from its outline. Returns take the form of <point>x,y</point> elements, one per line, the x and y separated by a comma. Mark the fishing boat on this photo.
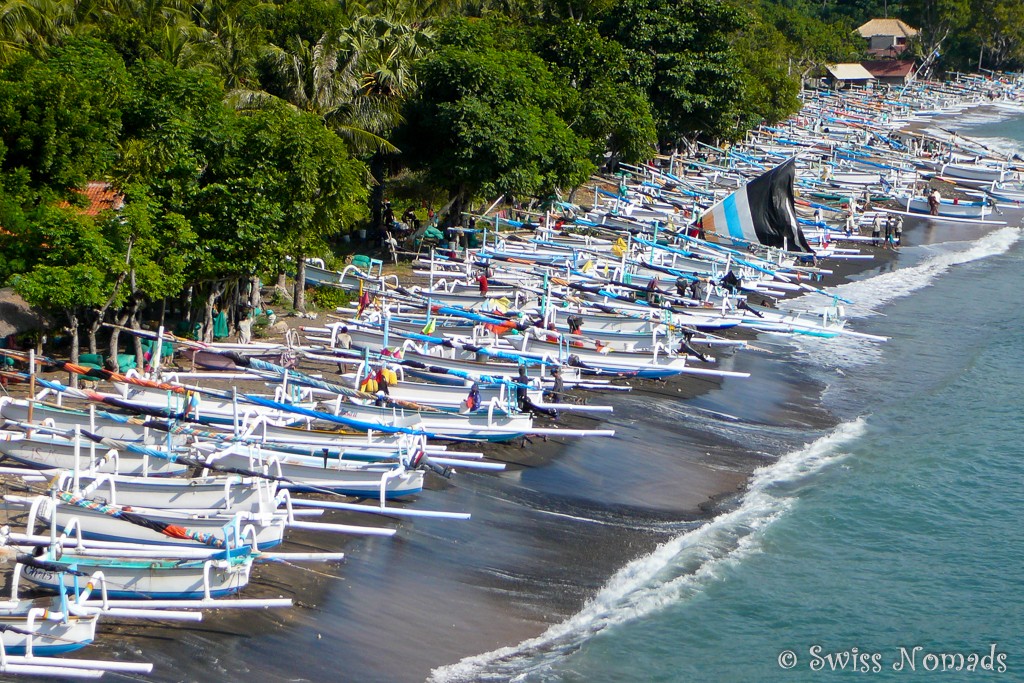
<point>389,481</point>
<point>951,208</point>
<point>227,492</point>
<point>168,578</point>
<point>979,172</point>
<point>490,423</point>
<point>44,629</point>
<point>98,520</point>
<point>48,451</point>
<point>65,419</point>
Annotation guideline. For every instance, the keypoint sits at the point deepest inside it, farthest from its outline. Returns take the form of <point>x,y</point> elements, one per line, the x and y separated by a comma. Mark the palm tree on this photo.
<point>33,26</point>
<point>230,40</point>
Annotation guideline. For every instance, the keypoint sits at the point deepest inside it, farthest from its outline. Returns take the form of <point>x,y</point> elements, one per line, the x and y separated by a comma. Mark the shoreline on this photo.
<point>545,536</point>
<point>543,540</point>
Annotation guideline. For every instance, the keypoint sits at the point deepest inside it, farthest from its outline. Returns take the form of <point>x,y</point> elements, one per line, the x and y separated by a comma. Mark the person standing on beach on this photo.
<point>876,230</point>
<point>245,325</point>
<point>934,199</point>
<point>889,226</point>
<point>343,340</point>
<point>559,386</point>
<point>898,231</point>
<point>521,396</point>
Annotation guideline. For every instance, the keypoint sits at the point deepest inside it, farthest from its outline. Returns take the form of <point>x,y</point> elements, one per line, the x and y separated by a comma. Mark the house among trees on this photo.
<point>887,37</point>
<point>843,75</point>
<point>891,71</point>
<point>100,197</point>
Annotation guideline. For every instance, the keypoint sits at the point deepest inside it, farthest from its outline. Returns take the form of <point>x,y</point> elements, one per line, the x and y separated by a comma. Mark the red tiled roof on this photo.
<point>889,68</point>
<point>101,198</point>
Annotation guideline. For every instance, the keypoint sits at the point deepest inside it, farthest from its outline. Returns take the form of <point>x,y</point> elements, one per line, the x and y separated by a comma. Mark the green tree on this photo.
<point>55,122</point>
<point>71,273</point>
<point>681,53</point>
<point>807,42</point>
<point>305,175</point>
<point>999,32</point>
<point>490,121</point>
<point>153,250</point>
<point>769,93</point>
<point>58,131</point>
<point>34,27</point>
<point>616,116</point>
<point>937,20</point>
<point>175,148</point>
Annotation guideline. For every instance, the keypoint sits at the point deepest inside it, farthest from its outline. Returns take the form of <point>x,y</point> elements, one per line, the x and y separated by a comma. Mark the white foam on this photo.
<point>881,289</point>
<point>1005,146</point>
<point>674,571</point>
<point>874,292</point>
<point>977,116</point>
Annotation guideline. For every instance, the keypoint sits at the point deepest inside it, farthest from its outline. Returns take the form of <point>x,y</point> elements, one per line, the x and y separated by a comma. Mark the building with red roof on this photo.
<point>102,197</point>
<point>891,71</point>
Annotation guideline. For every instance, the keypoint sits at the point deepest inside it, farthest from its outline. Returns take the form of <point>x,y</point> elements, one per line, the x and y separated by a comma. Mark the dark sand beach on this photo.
<point>544,536</point>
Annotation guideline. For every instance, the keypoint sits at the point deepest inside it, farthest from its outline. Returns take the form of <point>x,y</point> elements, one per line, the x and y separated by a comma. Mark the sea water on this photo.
<point>887,548</point>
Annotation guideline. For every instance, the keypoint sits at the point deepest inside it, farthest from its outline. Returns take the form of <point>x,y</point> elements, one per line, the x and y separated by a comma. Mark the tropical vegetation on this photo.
<point>243,136</point>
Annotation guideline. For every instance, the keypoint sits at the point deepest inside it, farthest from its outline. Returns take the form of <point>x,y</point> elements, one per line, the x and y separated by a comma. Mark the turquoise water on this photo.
<point>888,542</point>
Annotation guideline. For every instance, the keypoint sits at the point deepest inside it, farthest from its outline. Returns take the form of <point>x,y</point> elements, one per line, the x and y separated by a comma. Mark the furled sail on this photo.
<point>761,212</point>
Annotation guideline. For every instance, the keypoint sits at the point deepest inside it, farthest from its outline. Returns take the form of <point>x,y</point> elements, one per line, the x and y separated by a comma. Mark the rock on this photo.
<point>280,327</point>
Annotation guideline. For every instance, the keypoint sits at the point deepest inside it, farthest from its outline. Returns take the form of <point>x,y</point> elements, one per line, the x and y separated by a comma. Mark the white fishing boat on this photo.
<point>230,492</point>
<point>489,423</point>
<point>952,208</point>
<point>387,480</point>
<point>202,407</point>
<point>47,451</point>
<point>152,526</point>
<point>44,629</point>
<point>63,419</point>
<point>163,578</point>
<point>1007,191</point>
<point>982,172</point>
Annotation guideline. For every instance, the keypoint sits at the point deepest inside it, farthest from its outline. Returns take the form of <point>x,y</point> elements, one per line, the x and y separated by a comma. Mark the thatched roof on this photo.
<point>887,27</point>
<point>16,315</point>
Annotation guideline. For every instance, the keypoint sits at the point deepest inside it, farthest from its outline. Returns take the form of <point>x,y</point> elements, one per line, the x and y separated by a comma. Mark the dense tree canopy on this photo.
<point>492,120</point>
<point>244,135</point>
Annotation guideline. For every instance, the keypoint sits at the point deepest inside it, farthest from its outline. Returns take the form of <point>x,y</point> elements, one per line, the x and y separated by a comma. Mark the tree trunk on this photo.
<point>216,288</point>
<point>133,322</point>
<point>115,338</point>
<point>455,207</point>
<point>299,296</point>
<point>93,329</point>
<point>73,324</point>
<point>255,295</point>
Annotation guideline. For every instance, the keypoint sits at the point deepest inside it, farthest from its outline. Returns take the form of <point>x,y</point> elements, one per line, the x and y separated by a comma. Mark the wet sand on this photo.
<point>544,536</point>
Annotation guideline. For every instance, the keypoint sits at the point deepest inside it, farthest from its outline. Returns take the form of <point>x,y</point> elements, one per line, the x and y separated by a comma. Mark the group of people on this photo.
<point>893,226</point>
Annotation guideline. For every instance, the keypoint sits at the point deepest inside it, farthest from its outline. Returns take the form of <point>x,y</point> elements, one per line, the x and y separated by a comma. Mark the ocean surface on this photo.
<point>886,547</point>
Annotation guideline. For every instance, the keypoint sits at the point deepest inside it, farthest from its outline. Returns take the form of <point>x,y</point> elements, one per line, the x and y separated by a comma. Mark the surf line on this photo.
<point>675,570</point>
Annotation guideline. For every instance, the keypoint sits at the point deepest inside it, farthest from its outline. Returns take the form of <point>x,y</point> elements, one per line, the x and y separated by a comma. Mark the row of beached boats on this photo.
<point>159,490</point>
